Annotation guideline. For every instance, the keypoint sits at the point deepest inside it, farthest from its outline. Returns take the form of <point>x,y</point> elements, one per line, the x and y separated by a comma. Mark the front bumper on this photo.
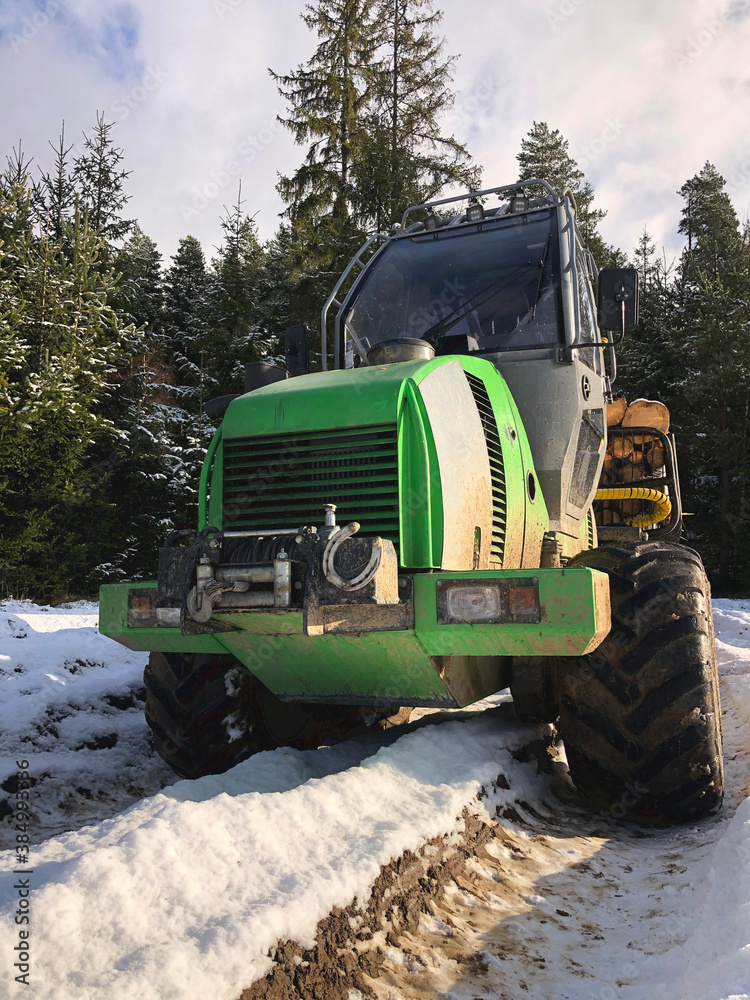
<point>392,654</point>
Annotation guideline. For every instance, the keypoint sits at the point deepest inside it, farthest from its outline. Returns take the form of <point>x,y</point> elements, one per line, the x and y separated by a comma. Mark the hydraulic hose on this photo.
<point>662,503</point>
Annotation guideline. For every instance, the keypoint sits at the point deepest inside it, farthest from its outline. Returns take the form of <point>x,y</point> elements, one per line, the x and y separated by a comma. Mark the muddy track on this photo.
<point>353,944</point>
<point>555,902</point>
<point>350,950</point>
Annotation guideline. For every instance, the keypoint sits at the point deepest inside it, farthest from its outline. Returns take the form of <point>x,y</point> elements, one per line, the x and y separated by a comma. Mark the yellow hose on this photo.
<point>662,503</point>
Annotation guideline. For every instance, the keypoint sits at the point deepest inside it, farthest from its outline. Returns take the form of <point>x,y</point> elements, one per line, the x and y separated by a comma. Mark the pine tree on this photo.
<point>404,157</point>
<point>98,177</point>
<point>710,225</point>
<point>544,154</point>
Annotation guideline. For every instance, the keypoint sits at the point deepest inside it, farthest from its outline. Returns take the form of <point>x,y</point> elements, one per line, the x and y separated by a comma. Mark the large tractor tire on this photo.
<point>640,716</point>
<point>534,688</point>
<point>208,712</point>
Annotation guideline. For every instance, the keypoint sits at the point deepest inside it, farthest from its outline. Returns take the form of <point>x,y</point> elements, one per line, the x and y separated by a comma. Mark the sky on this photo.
<point>644,90</point>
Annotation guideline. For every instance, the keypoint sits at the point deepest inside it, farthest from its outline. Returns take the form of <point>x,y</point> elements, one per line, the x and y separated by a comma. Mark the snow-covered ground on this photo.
<point>183,894</point>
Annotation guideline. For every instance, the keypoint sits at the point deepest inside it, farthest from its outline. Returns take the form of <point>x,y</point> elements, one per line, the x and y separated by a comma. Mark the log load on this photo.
<point>631,458</point>
<point>647,413</point>
<point>616,411</point>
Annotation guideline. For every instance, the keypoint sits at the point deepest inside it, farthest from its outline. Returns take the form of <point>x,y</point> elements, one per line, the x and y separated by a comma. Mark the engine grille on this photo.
<point>497,469</point>
<point>283,481</point>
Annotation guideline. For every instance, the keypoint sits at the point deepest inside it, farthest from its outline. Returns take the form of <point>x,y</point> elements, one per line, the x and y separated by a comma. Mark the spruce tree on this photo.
<point>139,289</point>
<point>710,341</point>
<point>63,349</point>
<point>185,319</point>
<point>98,176</point>
<point>236,278</point>
<point>404,157</point>
<point>55,194</point>
<point>278,308</point>
<point>544,154</point>
<point>184,386</point>
<point>645,357</point>
<point>327,95</point>
<point>185,295</point>
<point>16,173</point>
<point>14,183</point>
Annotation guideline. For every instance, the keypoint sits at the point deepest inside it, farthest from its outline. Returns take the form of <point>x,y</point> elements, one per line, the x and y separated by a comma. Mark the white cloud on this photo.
<point>646,92</point>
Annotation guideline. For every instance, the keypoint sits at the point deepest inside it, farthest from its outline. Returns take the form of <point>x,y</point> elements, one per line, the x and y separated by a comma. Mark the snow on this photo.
<point>208,875</point>
<point>181,895</point>
<point>72,701</point>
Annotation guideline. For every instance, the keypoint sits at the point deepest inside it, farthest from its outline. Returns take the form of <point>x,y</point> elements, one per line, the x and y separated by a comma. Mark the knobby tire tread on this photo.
<point>640,715</point>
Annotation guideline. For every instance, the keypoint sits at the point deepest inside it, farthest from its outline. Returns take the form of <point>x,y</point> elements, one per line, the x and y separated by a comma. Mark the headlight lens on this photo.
<point>477,601</point>
<point>475,604</point>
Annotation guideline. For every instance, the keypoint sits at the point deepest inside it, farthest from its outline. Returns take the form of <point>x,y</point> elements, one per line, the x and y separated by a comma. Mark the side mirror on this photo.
<point>297,350</point>
<point>617,286</point>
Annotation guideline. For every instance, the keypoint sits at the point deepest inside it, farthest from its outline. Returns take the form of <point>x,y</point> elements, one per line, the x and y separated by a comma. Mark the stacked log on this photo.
<point>631,458</point>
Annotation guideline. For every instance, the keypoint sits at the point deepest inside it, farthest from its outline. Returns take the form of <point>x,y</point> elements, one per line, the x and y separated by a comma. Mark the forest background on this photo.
<point>108,354</point>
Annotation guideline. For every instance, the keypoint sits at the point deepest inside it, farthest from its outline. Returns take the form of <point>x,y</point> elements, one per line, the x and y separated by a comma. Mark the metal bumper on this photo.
<point>424,656</point>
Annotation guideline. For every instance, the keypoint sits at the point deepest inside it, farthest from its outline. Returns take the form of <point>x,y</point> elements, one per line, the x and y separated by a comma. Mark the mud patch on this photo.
<point>353,943</point>
<point>358,947</point>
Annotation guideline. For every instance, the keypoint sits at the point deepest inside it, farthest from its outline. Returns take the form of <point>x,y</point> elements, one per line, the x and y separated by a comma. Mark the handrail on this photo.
<point>480,194</point>
<point>205,473</point>
<point>332,297</point>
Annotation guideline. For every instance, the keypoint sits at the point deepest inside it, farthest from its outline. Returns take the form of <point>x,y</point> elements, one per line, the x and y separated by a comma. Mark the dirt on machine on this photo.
<point>456,504</point>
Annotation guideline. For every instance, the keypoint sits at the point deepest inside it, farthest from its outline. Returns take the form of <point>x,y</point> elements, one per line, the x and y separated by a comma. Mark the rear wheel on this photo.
<point>208,712</point>
<point>640,716</point>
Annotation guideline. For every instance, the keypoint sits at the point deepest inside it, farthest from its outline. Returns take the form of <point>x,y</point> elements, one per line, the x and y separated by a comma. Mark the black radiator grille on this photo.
<point>590,528</point>
<point>283,481</point>
<point>497,469</point>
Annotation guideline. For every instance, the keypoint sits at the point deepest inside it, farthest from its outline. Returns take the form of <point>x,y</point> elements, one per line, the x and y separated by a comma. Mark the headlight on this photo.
<point>473,604</point>
<point>508,600</point>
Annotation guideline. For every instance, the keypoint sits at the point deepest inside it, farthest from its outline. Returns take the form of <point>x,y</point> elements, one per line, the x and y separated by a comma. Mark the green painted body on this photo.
<point>380,667</point>
<point>386,396</point>
<point>389,415</point>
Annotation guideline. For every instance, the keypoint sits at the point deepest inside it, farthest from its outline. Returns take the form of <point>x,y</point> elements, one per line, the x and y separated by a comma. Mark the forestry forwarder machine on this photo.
<point>460,440</point>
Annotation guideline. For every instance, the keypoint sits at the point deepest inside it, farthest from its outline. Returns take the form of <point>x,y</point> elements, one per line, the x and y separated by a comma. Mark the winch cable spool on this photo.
<point>329,554</point>
<point>266,548</point>
<point>662,504</point>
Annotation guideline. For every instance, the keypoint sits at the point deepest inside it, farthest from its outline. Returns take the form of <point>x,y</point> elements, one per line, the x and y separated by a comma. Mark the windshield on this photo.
<point>496,283</point>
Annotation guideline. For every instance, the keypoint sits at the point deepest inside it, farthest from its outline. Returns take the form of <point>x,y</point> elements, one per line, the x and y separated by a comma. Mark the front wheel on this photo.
<point>640,716</point>
<point>208,712</point>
